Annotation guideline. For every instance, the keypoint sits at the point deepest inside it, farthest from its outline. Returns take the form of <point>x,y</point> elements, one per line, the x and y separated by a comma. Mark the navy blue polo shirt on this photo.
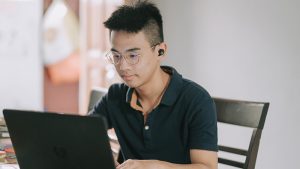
<point>185,119</point>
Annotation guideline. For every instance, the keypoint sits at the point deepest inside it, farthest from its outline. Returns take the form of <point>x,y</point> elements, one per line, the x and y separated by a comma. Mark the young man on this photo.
<point>161,119</point>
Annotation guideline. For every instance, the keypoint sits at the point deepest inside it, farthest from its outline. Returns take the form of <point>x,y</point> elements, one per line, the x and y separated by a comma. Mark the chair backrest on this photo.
<point>247,114</point>
<point>95,95</point>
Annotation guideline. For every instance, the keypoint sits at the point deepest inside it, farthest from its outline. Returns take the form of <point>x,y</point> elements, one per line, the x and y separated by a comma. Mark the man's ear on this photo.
<point>161,52</point>
<point>162,49</point>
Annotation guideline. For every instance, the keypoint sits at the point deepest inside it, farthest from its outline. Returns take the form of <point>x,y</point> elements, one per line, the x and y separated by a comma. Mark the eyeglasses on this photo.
<point>131,57</point>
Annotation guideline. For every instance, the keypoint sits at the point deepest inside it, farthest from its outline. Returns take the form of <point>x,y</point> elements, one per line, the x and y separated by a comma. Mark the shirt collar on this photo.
<point>174,87</point>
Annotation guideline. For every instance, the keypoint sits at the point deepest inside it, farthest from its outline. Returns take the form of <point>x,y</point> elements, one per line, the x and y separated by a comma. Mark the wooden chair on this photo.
<point>246,114</point>
<point>95,95</point>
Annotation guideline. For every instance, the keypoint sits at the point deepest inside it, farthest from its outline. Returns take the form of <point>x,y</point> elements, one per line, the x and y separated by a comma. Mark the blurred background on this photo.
<point>51,55</point>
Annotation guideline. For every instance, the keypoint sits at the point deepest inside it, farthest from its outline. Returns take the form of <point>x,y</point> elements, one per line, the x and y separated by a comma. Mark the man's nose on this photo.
<point>123,65</point>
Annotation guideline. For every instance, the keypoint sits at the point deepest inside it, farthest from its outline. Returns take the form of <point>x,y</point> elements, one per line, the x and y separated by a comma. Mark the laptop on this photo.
<point>44,140</point>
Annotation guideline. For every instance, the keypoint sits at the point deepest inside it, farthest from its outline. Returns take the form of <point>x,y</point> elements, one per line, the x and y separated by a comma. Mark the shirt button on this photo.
<point>146,127</point>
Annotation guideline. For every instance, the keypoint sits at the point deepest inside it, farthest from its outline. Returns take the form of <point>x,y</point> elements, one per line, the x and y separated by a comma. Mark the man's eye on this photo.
<point>133,55</point>
<point>116,56</point>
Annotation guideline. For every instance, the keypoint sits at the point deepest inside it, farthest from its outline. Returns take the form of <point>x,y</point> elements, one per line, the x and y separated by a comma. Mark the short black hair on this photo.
<point>141,15</point>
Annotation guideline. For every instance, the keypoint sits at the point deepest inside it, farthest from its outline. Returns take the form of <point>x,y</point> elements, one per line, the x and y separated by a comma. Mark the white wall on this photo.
<point>244,50</point>
<point>21,69</point>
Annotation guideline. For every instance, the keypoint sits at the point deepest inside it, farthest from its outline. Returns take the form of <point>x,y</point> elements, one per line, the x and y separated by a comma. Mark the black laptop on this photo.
<point>56,141</point>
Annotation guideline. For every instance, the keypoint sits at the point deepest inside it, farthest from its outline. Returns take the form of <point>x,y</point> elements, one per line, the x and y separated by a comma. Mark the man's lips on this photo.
<point>127,77</point>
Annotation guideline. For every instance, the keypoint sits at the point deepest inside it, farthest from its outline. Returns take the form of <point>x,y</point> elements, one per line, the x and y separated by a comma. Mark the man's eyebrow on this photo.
<point>128,50</point>
<point>133,49</point>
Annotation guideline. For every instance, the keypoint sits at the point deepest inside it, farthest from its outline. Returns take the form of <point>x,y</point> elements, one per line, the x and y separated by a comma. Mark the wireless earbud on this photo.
<point>161,52</point>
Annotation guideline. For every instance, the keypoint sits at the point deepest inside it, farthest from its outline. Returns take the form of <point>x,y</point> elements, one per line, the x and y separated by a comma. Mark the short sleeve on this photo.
<point>203,124</point>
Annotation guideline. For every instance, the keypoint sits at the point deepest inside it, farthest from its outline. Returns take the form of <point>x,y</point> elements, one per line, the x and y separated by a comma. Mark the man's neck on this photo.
<point>154,88</point>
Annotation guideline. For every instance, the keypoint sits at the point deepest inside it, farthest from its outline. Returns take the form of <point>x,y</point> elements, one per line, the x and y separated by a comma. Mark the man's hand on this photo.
<point>201,159</point>
<point>138,164</point>
<point>116,163</point>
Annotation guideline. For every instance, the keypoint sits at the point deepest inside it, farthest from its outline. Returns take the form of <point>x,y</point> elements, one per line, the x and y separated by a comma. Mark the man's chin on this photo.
<point>130,84</point>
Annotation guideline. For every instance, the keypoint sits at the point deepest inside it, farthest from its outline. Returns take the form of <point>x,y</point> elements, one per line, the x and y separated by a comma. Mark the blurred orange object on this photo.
<point>65,71</point>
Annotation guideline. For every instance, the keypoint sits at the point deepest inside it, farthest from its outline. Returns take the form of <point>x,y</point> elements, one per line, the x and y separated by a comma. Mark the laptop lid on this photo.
<point>58,141</point>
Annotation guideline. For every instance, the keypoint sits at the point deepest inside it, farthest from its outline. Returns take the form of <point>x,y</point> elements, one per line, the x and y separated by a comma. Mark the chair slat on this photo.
<point>233,150</point>
<point>231,162</point>
<point>243,113</point>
